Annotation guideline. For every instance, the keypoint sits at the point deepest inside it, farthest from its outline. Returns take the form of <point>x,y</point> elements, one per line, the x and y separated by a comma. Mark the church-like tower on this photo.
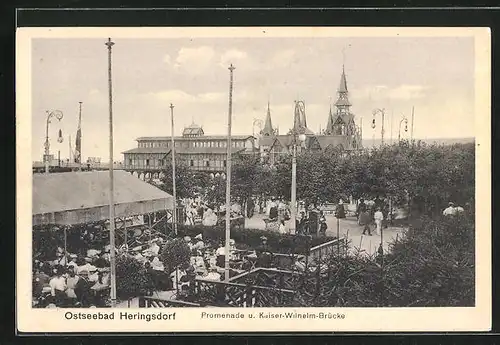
<point>268,130</point>
<point>341,120</point>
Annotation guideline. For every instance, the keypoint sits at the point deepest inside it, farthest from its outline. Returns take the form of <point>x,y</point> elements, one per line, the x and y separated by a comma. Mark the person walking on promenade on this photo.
<point>365,221</point>
<point>361,208</point>
<point>378,217</point>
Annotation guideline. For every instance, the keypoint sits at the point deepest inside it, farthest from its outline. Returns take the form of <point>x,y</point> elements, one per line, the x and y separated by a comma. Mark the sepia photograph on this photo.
<point>283,171</point>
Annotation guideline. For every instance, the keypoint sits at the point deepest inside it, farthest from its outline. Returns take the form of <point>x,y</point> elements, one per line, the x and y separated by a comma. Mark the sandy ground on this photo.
<point>347,227</point>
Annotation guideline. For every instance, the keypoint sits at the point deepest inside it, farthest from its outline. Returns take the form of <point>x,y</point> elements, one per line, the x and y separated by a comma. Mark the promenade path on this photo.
<point>347,227</point>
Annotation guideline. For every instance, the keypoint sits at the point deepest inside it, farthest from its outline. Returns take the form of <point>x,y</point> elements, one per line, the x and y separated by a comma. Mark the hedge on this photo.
<point>432,265</point>
<point>250,238</point>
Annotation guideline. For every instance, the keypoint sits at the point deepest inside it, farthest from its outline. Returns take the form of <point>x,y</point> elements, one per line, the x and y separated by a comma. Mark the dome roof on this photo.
<point>193,130</point>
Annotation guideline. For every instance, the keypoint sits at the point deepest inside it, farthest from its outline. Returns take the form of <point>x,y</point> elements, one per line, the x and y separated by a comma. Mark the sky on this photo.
<point>433,75</point>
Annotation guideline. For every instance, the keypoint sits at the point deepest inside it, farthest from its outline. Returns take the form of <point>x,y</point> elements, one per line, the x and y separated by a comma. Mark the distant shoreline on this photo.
<point>445,141</point>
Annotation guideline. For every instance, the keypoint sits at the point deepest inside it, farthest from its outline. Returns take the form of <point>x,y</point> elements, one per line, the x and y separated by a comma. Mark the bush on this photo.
<point>250,238</point>
<point>431,266</point>
<point>175,253</point>
<point>131,278</point>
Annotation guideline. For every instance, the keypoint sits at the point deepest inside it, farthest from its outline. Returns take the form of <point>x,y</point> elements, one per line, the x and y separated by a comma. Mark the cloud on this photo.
<point>194,60</point>
<point>174,96</point>
<point>232,56</point>
<point>167,59</point>
<point>182,97</point>
<point>96,96</point>
<point>283,58</point>
<point>212,97</point>
<point>382,92</point>
<point>407,92</point>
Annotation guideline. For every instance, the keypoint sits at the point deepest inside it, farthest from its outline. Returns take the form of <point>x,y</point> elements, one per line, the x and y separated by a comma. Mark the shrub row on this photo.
<point>250,238</point>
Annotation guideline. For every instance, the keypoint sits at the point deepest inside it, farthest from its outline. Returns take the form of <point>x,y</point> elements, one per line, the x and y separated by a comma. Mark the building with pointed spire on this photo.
<point>341,131</point>
<point>268,130</point>
<point>341,122</point>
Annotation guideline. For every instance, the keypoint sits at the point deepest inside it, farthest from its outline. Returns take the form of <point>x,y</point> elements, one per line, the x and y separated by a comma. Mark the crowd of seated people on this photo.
<point>82,279</point>
<point>72,280</point>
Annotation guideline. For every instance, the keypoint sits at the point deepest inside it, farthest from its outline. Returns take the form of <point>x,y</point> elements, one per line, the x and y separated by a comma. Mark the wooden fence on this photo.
<point>323,250</point>
<point>156,302</point>
<point>229,294</point>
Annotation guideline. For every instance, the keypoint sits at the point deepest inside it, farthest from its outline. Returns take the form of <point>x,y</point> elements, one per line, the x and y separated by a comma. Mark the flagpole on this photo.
<point>412,118</point>
<point>80,137</point>
<point>174,191</point>
<point>70,158</point>
<point>228,175</point>
<point>110,44</point>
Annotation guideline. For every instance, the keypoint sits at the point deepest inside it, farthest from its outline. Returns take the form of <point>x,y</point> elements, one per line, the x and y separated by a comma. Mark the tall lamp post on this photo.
<point>379,112</point>
<point>297,139</point>
<point>228,176</point>
<point>258,123</point>
<point>50,114</point>
<point>112,254</point>
<point>405,120</point>
<point>174,192</point>
<point>412,119</point>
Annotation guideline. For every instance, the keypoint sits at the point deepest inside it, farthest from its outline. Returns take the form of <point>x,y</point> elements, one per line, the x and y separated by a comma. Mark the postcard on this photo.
<point>243,179</point>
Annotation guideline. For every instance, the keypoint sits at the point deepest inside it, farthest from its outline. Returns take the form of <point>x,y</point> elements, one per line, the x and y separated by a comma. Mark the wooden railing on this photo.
<point>321,251</point>
<point>154,302</point>
<point>229,294</point>
<point>270,278</point>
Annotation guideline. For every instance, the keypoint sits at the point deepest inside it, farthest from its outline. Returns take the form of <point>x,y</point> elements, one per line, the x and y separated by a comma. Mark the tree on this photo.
<point>246,175</point>
<point>131,278</point>
<point>431,266</point>
<point>216,190</point>
<point>175,253</point>
<point>187,182</point>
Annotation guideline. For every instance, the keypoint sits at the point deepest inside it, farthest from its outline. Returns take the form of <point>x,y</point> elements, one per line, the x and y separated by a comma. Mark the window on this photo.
<point>160,161</point>
<point>207,163</point>
<point>191,163</point>
<point>225,163</point>
<point>130,161</point>
<point>147,162</point>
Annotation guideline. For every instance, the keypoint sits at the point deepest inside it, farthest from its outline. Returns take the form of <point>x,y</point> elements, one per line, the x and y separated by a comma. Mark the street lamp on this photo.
<point>174,191</point>
<point>297,138</point>
<point>109,44</point>
<point>228,176</point>
<point>258,123</point>
<point>50,114</point>
<point>405,120</point>
<point>377,112</point>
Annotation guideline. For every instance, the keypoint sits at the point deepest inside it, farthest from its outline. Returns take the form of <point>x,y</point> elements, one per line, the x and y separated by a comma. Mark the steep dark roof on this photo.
<point>268,127</point>
<point>346,117</point>
<point>342,102</point>
<point>343,81</point>
<point>266,140</point>
<point>333,141</point>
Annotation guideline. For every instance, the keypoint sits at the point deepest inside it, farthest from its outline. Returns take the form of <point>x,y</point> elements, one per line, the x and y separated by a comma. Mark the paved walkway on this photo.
<point>347,227</point>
